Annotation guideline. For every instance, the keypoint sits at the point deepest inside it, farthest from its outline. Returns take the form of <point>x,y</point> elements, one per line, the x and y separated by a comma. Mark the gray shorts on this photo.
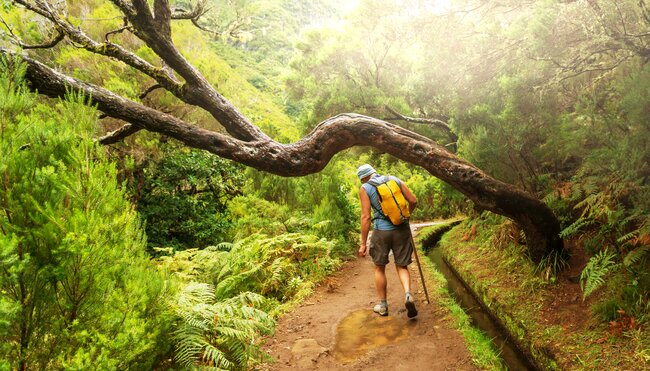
<point>397,240</point>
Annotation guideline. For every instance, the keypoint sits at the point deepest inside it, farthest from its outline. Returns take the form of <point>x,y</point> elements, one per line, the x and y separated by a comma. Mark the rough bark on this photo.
<point>312,153</point>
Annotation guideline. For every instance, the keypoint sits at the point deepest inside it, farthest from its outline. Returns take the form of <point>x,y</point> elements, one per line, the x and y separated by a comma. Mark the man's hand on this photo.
<point>362,251</point>
<point>365,220</point>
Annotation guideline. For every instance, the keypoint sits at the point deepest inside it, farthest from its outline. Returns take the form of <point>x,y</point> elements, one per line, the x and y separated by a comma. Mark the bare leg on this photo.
<point>380,281</point>
<point>404,277</point>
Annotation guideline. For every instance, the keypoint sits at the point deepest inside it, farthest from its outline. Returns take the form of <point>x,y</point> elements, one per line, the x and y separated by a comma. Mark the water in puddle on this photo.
<point>363,330</point>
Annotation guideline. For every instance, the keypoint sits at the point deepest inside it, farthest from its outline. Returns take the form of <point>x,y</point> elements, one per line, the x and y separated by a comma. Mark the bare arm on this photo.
<point>409,196</point>
<point>365,220</point>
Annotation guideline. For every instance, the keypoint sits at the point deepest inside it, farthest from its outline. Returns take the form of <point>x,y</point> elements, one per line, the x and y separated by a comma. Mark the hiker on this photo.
<point>386,236</point>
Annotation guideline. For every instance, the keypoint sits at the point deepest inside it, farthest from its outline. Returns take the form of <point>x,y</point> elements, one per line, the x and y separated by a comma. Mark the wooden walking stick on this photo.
<point>417,260</point>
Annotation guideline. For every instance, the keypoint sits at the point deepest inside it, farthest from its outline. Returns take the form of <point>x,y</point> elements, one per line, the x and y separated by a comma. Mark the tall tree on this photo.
<point>246,143</point>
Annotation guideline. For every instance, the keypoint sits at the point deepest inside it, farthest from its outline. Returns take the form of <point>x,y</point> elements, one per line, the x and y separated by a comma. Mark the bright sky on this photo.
<point>439,6</point>
<point>433,6</point>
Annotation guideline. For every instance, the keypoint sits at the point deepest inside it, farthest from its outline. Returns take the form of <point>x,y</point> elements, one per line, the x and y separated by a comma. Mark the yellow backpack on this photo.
<point>393,204</point>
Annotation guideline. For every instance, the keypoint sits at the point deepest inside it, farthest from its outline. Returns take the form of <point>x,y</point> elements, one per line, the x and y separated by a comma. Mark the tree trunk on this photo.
<point>312,153</point>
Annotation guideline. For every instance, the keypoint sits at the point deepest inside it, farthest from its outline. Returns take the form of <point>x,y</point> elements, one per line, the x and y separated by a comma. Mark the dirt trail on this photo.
<point>308,336</point>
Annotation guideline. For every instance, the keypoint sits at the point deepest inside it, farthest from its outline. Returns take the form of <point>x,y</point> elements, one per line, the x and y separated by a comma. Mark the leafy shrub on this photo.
<point>607,309</point>
<point>77,290</point>
<point>251,215</point>
<point>259,263</point>
<point>185,195</point>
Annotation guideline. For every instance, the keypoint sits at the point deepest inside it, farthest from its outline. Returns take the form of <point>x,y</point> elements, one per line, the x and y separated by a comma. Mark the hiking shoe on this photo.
<point>410,306</point>
<point>381,309</point>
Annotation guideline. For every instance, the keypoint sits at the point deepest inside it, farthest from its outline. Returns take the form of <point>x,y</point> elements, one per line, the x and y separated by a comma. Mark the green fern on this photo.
<point>626,237</point>
<point>225,246</point>
<point>576,227</point>
<point>636,255</point>
<point>219,334</point>
<point>220,323</point>
<point>593,276</point>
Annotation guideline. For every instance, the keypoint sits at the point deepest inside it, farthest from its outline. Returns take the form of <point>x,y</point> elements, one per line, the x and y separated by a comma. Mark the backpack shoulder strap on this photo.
<point>378,213</point>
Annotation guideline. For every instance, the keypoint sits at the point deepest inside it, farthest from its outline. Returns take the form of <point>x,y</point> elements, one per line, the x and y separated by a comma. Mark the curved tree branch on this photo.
<point>197,90</point>
<point>420,120</point>
<point>428,121</point>
<point>107,48</point>
<point>119,134</point>
<point>196,12</point>
<point>119,30</point>
<point>196,23</point>
<point>162,18</point>
<point>149,90</point>
<point>154,30</point>
<point>312,153</point>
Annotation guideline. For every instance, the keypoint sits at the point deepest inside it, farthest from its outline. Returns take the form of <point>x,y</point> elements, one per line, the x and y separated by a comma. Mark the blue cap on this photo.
<point>365,170</point>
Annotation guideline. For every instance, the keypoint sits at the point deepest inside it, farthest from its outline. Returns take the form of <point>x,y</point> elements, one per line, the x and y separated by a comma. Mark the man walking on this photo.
<point>385,237</point>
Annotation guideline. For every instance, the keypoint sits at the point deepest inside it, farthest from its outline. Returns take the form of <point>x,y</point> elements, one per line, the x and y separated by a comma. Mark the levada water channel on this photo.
<point>512,356</point>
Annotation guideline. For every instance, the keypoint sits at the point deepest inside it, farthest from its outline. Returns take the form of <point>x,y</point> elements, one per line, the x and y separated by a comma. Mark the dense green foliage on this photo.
<point>545,314</point>
<point>184,195</point>
<point>74,257</point>
<point>76,287</point>
<point>230,290</point>
<point>216,331</point>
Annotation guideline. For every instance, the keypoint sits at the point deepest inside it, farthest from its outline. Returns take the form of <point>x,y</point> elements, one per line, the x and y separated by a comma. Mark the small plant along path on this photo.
<point>335,328</point>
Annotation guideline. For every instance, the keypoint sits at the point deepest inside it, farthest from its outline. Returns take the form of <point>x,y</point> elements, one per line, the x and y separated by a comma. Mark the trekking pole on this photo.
<point>415,250</point>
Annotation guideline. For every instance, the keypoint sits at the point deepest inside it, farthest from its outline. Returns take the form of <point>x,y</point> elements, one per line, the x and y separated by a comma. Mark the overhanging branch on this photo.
<point>428,121</point>
<point>312,153</point>
<point>119,30</point>
<point>196,12</point>
<point>149,90</point>
<point>119,134</point>
<point>107,48</point>
<point>197,90</point>
<point>153,29</point>
<point>420,120</point>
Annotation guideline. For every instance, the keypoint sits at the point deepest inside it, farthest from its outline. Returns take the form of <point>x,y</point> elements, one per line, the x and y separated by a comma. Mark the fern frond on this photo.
<point>233,333</point>
<point>576,226</point>
<point>249,298</point>
<point>231,284</point>
<point>595,203</point>
<point>225,246</point>
<point>195,293</point>
<point>214,356</point>
<point>218,334</point>
<point>636,255</point>
<point>593,275</point>
<point>626,237</point>
<point>187,345</point>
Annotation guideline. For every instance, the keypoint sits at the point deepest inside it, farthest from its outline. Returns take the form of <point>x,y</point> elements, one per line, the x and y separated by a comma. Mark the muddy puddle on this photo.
<point>363,330</point>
